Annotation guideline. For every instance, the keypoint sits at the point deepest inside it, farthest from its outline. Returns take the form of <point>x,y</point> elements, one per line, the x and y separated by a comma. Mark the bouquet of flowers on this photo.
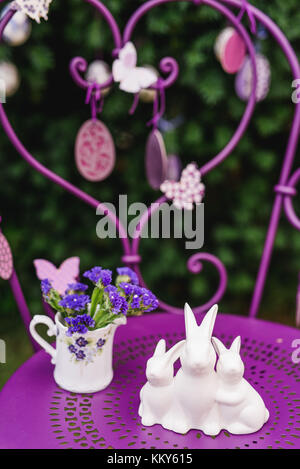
<point>81,312</point>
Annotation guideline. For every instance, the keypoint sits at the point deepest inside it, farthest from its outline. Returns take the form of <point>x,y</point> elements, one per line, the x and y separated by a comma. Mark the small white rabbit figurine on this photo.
<point>157,394</point>
<point>196,382</point>
<point>241,408</point>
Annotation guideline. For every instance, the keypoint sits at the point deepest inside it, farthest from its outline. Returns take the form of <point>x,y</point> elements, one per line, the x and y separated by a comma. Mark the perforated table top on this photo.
<point>36,413</point>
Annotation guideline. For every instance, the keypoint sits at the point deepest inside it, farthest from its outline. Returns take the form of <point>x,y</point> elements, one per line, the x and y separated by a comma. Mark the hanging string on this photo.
<point>95,99</point>
<point>247,9</point>
<point>135,103</point>
<point>159,104</point>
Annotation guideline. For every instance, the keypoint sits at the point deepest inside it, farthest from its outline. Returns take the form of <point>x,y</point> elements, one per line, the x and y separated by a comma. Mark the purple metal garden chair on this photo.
<point>36,413</point>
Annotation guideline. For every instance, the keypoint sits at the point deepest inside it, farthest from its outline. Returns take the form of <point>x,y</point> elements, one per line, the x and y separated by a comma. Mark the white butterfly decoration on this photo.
<point>35,9</point>
<point>187,191</point>
<point>132,78</point>
<point>60,278</point>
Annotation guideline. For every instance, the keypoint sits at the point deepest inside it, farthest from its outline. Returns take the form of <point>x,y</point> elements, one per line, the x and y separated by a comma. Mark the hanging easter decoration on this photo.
<point>35,9</point>
<point>244,78</point>
<point>18,29</point>
<point>6,260</point>
<point>230,50</point>
<point>9,75</point>
<point>132,79</point>
<point>156,161</point>
<point>186,192</point>
<point>99,72</point>
<point>94,151</point>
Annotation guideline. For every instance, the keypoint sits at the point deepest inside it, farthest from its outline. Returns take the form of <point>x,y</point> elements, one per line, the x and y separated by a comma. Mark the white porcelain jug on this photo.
<point>83,362</point>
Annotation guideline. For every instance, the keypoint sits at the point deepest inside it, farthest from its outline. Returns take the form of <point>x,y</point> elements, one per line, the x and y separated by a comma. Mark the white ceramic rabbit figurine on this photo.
<point>195,384</point>
<point>241,408</point>
<point>157,394</point>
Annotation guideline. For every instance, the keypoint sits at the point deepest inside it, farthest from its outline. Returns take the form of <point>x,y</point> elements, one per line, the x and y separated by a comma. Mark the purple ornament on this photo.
<point>156,161</point>
<point>244,78</point>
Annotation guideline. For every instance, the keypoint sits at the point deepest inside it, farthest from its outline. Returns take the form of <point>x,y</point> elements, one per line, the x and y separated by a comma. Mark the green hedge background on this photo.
<point>42,221</point>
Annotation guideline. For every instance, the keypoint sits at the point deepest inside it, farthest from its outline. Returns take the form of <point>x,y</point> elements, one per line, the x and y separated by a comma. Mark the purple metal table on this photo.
<point>36,413</point>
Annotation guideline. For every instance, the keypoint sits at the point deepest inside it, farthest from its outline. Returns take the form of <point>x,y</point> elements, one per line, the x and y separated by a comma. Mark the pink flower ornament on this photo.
<point>187,191</point>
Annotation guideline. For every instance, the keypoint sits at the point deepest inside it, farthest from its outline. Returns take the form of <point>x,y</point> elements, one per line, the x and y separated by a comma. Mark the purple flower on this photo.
<point>79,324</point>
<point>149,300</point>
<point>100,343</point>
<point>81,342</point>
<point>75,302</point>
<point>46,286</point>
<point>128,288</point>
<point>80,355</point>
<point>72,349</point>
<point>77,287</point>
<point>126,271</point>
<point>118,303</point>
<point>105,277</point>
<point>97,274</point>
<point>94,274</point>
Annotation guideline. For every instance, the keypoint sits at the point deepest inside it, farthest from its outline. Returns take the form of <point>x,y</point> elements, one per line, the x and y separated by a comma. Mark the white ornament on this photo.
<point>241,408</point>
<point>35,9</point>
<point>10,76</point>
<point>98,72</point>
<point>158,392</point>
<point>18,28</point>
<point>132,78</point>
<point>199,397</point>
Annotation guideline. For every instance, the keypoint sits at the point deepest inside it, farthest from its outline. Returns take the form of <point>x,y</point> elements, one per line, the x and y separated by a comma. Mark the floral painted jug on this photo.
<point>83,362</point>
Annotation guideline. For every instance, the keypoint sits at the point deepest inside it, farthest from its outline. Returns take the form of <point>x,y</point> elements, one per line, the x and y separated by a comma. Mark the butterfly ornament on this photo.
<point>60,278</point>
<point>132,79</point>
<point>35,9</point>
<point>187,191</point>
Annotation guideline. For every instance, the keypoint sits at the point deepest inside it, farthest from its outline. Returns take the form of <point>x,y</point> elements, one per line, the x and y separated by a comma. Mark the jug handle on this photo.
<point>52,330</point>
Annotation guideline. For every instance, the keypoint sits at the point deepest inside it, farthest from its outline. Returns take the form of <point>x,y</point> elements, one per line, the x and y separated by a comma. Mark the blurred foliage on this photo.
<point>42,221</point>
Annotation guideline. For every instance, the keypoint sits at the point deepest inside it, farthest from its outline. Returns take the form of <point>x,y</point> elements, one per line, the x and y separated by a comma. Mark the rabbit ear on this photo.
<point>190,321</point>
<point>173,354</point>
<point>236,344</point>
<point>207,325</point>
<point>218,346</point>
<point>160,348</point>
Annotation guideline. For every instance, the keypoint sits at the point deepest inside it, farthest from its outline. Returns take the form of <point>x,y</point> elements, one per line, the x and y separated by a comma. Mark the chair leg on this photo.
<point>22,306</point>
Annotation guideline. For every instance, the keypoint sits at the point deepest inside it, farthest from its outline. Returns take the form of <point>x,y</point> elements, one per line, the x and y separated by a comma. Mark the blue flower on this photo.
<point>100,343</point>
<point>148,299</point>
<point>94,274</point>
<point>80,355</point>
<point>97,274</point>
<point>81,342</point>
<point>75,302</point>
<point>126,271</point>
<point>77,287</point>
<point>79,324</point>
<point>118,302</point>
<point>128,288</point>
<point>46,286</point>
<point>72,349</point>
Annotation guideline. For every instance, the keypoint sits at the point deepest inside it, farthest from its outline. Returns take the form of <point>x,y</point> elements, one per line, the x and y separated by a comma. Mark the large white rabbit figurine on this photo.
<point>241,408</point>
<point>196,382</point>
<point>157,394</point>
